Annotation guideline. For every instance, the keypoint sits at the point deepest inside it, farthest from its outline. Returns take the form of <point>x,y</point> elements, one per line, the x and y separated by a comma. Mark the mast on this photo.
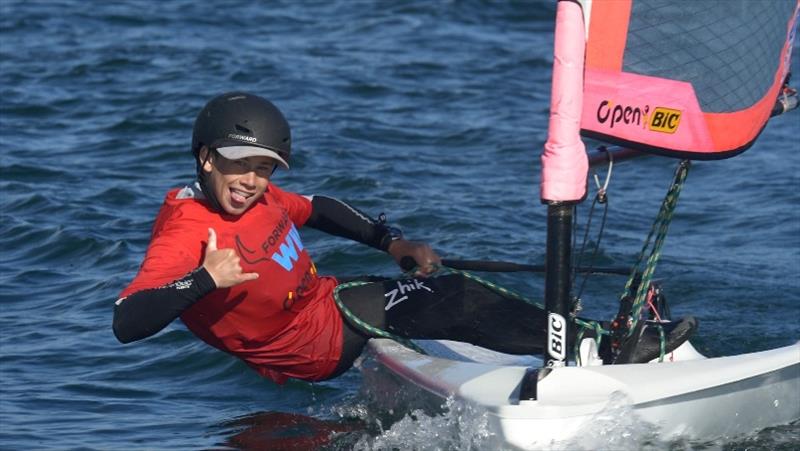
<point>558,282</point>
<point>564,172</point>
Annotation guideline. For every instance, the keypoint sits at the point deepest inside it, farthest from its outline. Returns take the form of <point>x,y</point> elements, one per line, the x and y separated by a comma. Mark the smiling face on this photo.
<point>237,184</point>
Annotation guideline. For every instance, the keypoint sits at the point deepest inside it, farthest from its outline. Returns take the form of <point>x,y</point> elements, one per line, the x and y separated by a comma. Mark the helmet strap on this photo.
<point>202,179</point>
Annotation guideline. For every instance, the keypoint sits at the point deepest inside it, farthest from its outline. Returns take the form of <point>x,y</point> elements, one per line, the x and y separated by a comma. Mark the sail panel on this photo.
<point>686,79</point>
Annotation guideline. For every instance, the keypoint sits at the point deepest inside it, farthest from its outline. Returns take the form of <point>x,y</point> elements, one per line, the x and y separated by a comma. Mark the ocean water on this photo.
<point>433,112</point>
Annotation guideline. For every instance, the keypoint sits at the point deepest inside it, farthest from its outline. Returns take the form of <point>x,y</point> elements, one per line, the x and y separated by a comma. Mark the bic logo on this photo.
<point>556,336</point>
<point>665,120</point>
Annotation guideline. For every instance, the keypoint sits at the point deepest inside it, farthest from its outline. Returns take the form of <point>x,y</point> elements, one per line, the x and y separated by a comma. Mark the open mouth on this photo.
<point>239,196</point>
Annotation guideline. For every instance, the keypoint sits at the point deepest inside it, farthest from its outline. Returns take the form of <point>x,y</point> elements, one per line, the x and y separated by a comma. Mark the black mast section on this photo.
<point>558,282</point>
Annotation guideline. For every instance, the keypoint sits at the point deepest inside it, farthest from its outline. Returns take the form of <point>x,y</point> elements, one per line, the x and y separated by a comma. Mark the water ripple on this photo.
<point>433,112</point>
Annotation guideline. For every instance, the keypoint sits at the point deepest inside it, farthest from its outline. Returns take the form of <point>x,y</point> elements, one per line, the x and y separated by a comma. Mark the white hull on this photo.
<point>691,397</point>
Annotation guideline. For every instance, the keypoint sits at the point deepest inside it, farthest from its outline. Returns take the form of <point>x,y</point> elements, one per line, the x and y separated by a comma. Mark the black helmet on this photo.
<point>239,125</point>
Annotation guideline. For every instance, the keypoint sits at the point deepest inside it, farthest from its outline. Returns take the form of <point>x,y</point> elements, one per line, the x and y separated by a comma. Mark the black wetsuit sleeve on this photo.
<point>144,313</point>
<point>338,218</point>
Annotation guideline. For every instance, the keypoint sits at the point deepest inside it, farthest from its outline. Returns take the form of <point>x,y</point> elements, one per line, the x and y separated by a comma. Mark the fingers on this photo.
<point>429,256</point>
<point>427,261</point>
<point>212,240</point>
<point>223,265</point>
<point>245,276</point>
<point>426,270</point>
<point>426,258</point>
<point>409,254</point>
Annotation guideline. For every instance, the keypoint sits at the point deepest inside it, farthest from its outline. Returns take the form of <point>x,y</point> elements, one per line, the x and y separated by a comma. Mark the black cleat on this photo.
<point>644,344</point>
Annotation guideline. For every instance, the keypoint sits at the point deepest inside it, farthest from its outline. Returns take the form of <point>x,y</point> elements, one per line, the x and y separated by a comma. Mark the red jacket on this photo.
<point>283,324</point>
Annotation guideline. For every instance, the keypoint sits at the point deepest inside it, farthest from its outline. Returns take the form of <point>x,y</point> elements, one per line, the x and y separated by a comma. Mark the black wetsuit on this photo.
<point>448,306</point>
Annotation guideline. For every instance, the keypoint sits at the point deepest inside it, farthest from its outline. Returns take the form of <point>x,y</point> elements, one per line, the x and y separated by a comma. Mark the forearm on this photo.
<point>145,313</point>
<point>340,219</point>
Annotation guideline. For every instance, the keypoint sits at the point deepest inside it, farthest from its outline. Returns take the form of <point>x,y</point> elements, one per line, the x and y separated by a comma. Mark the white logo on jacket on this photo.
<point>402,289</point>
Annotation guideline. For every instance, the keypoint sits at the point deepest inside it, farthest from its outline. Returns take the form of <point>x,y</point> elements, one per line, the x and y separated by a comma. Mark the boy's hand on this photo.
<point>223,264</point>
<point>424,256</point>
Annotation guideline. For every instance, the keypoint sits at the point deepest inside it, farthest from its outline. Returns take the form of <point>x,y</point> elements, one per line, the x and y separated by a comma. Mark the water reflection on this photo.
<point>286,431</point>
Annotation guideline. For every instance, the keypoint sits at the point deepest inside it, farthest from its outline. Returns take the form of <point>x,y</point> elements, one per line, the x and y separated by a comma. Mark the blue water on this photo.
<point>434,112</point>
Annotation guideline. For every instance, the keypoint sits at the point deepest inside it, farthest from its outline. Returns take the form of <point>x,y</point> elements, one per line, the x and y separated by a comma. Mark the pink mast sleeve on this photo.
<point>564,162</point>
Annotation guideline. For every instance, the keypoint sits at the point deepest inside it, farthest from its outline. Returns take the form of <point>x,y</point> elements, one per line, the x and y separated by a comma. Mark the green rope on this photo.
<point>378,332</point>
<point>584,325</point>
<point>659,229</point>
<point>493,286</point>
<point>594,325</point>
<point>364,326</point>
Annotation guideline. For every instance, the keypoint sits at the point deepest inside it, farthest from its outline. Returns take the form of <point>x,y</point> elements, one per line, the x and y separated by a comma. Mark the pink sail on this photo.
<point>564,161</point>
<point>685,79</point>
<point>693,80</point>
